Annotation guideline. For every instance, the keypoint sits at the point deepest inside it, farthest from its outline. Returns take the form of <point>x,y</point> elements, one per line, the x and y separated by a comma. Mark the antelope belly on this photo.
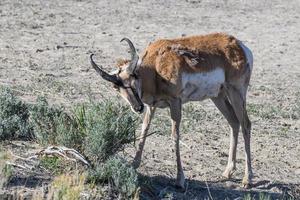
<point>202,85</point>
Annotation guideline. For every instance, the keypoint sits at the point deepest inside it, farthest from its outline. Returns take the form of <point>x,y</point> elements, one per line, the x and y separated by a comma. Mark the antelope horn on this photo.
<point>134,56</point>
<point>103,74</point>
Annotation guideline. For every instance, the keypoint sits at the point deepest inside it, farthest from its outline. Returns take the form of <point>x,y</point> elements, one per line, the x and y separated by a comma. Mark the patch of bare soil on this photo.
<point>44,49</point>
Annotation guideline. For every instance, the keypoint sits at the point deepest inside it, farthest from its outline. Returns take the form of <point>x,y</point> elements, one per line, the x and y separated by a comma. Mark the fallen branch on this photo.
<point>66,153</point>
<point>16,165</point>
<point>29,163</point>
<point>22,158</point>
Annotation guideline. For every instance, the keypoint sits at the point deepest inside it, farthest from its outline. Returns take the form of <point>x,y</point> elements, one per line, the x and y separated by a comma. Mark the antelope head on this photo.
<point>126,80</point>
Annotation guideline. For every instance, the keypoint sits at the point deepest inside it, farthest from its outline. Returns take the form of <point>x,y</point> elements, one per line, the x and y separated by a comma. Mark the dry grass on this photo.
<point>67,187</point>
<point>6,170</point>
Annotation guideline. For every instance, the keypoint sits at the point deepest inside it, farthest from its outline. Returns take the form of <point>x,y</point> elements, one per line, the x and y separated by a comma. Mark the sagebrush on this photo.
<point>14,116</point>
<point>116,171</point>
<point>52,125</point>
<point>108,127</point>
<point>97,130</point>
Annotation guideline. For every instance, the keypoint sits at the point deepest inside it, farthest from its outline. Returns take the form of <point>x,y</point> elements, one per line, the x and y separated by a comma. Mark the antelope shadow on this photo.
<point>162,187</point>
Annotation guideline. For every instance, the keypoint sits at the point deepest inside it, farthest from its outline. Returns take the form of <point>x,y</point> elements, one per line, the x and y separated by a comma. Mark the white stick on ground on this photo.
<point>67,153</point>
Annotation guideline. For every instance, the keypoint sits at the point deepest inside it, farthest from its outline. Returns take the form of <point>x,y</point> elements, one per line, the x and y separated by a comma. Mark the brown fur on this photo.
<point>165,60</point>
<point>212,50</point>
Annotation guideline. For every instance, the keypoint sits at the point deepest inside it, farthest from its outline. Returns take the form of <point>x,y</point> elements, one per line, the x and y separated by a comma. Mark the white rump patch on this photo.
<point>202,85</point>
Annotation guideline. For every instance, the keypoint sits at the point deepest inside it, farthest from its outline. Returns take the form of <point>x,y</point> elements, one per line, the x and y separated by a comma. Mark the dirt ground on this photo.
<point>44,50</point>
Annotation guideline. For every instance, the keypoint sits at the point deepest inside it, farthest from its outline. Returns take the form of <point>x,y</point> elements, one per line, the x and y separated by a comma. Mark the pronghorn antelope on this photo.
<point>174,71</point>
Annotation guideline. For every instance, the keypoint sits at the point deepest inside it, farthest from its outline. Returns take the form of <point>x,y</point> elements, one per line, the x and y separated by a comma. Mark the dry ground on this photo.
<point>44,49</point>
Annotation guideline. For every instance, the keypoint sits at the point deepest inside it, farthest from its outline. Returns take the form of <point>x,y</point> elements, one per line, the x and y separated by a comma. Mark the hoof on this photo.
<point>246,183</point>
<point>180,182</point>
<point>228,173</point>
<point>180,187</point>
<point>135,164</point>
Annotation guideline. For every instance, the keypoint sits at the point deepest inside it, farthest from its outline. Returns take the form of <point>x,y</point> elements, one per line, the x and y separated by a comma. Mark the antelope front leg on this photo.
<point>175,107</point>
<point>145,127</point>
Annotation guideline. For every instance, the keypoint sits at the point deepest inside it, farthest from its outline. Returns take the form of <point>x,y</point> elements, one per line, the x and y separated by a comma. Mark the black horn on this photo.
<point>103,74</point>
<point>134,56</point>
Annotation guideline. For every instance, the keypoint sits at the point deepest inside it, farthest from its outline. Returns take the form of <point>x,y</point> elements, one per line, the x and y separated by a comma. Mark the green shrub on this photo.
<point>14,116</point>
<point>43,118</point>
<point>108,127</point>
<point>116,171</point>
<point>68,133</point>
<point>52,125</point>
<point>99,130</point>
<point>53,164</point>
